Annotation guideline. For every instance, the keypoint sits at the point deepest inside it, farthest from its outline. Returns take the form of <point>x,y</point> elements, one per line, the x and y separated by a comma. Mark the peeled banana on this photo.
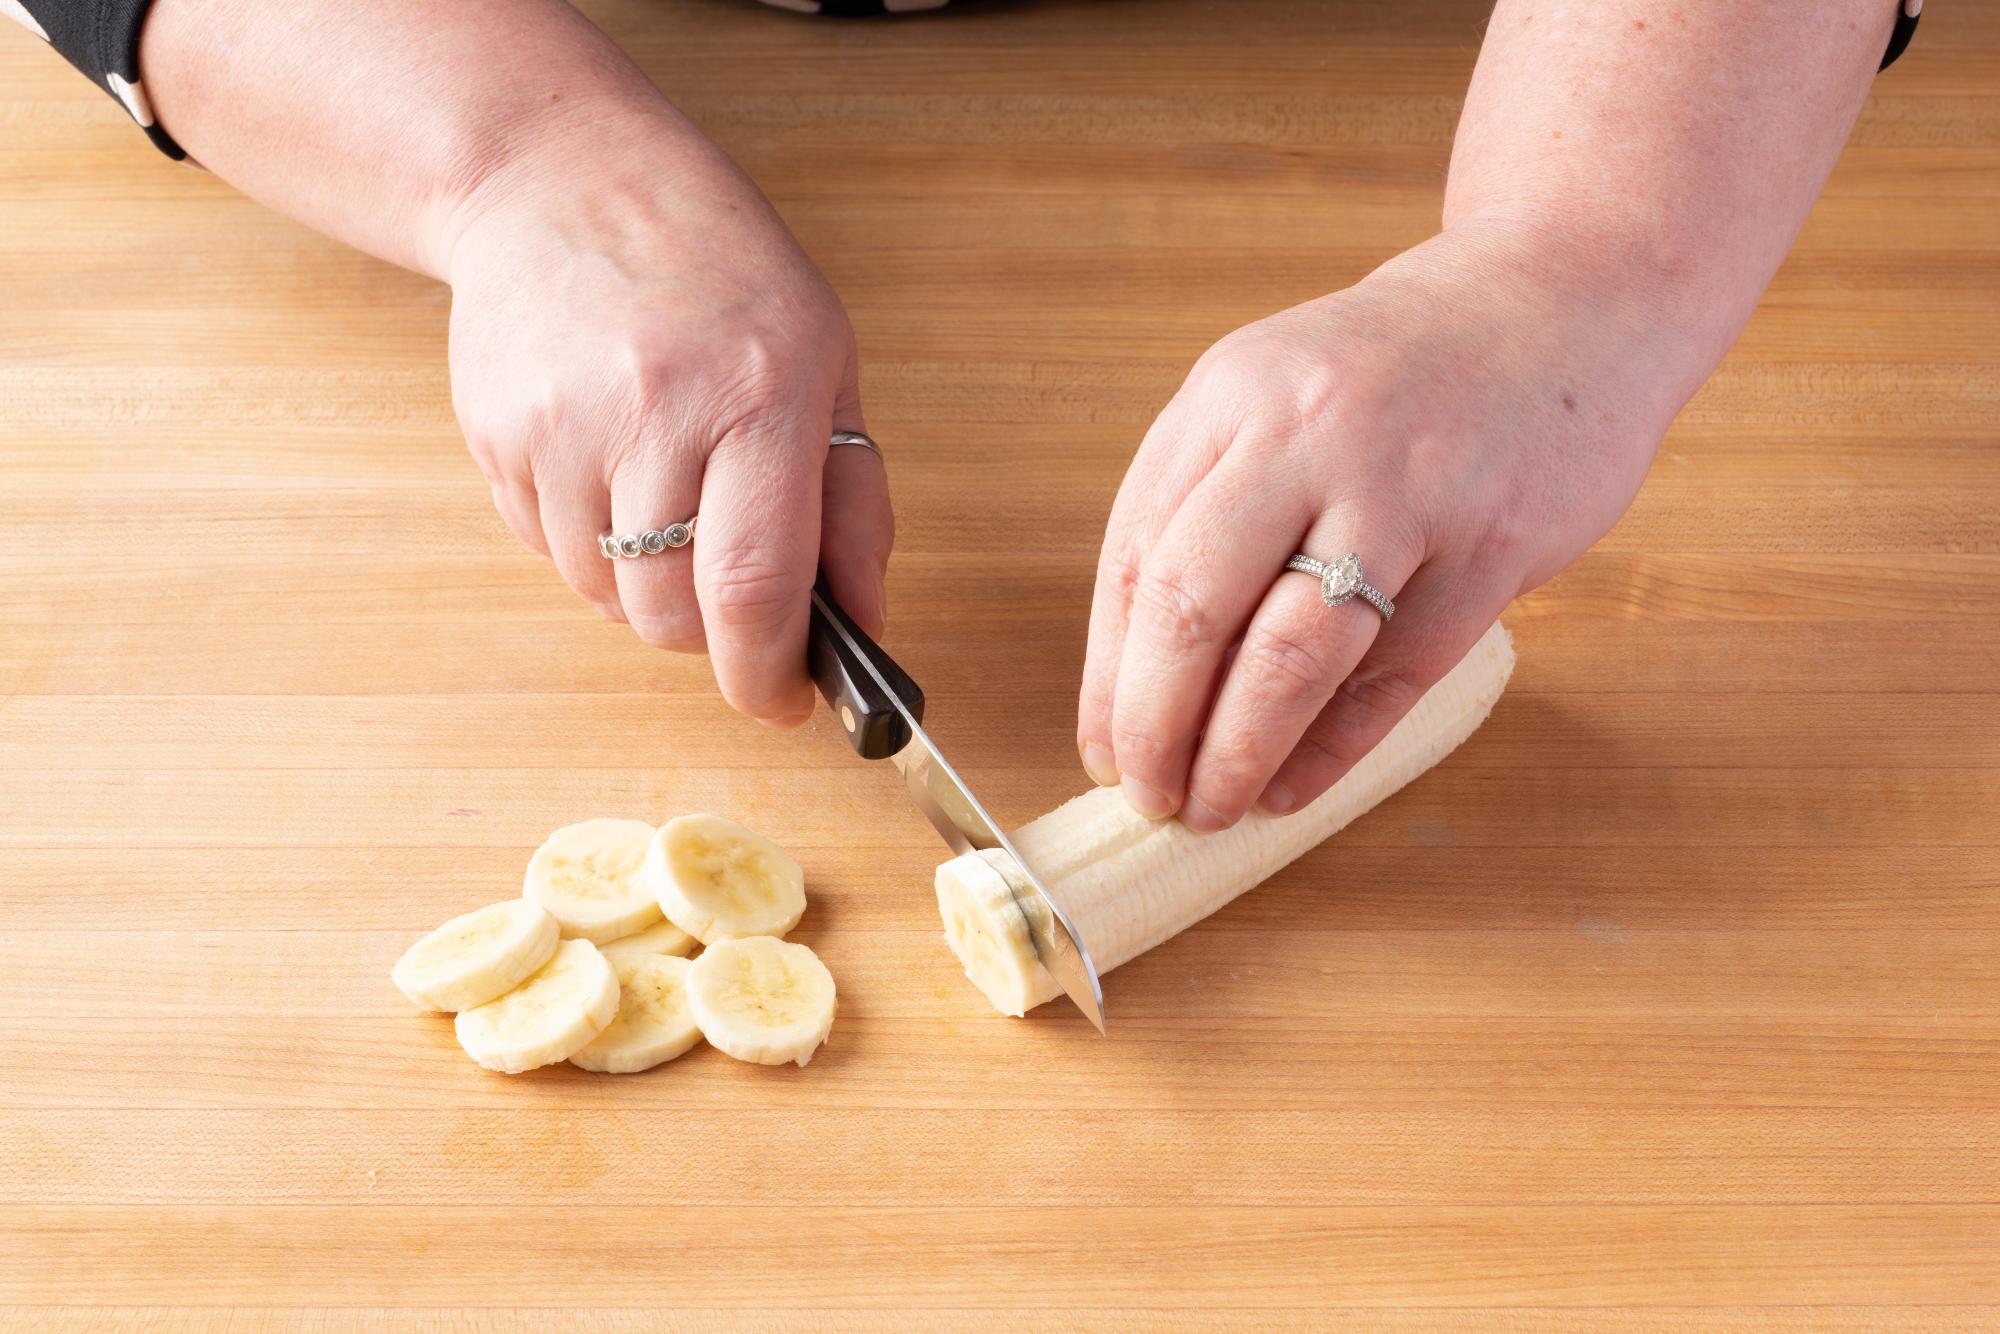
<point>654,1022</point>
<point>548,1018</point>
<point>471,959</point>
<point>589,876</point>
<point>718,881</point>
<point>762,999</point>
<point>1128,883</point>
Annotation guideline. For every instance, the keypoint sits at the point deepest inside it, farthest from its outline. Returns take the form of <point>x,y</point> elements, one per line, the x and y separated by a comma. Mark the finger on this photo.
<point>575,509</point>
<point>1175,455</point>
<point>1193,598</point>
<point>1440,617</point>
<point>857,525</point>
<point>515,499</point>
<point>754,559</point>
<point>1296,652</point>
<point>656,489</point>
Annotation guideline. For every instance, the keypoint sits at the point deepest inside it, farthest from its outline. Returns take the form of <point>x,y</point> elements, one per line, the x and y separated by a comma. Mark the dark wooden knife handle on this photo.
<point>840,658</point>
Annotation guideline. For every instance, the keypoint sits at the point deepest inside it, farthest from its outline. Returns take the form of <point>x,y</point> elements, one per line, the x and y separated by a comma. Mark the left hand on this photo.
<point>1468,418</point>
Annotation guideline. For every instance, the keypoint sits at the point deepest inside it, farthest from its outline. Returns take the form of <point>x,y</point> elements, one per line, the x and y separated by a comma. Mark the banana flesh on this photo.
<point>718,881</point>
<point>590,878</point>
<point>589,965</point>
<point>548,1018</point>
<point>1129,883</point>
<point>659,938</point>
<point>654,1023</point>
<point>474,958</point>
<point>762,999</point>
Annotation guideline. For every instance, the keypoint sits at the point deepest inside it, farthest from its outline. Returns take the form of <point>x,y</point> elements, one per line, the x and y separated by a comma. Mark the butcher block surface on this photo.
<point>1672,999</point>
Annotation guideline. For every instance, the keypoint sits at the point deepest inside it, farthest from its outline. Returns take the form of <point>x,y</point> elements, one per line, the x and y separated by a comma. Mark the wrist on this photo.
<point>1626,274</point>
<point>559,158</point>
<point>1599,298</point>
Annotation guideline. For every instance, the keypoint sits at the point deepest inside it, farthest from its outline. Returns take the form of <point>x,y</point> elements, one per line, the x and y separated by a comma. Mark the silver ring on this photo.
<point>1341,580</point>
<point>854,438</point>
<point>631,546</point>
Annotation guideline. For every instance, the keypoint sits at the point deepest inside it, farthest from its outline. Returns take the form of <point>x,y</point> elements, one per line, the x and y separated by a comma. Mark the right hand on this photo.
<point>635,338</point>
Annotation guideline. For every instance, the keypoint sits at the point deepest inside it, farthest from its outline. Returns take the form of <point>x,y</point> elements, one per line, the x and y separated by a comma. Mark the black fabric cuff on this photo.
<point>1900,35</point>
<point>101,38</point>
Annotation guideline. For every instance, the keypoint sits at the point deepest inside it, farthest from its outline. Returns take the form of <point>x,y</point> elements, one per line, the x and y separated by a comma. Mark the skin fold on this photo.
<point>635,336</point>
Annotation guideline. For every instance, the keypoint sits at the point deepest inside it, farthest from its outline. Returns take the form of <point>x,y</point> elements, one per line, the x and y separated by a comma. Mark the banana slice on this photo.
<point>549,1018</point>
<point>471,959</point>
<point>590,876</point>
<point>659,938</point>
<point>717,880</point>
<point>979,896</point>
<point>654,1023</point>
<point>762,999</point>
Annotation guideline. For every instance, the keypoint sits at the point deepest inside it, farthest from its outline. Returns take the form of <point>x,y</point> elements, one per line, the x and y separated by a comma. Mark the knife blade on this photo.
<point>880,709</point>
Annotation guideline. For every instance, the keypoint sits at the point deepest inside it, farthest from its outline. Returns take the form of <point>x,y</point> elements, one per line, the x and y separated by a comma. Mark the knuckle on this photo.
<point>1512,537</point>
<point>1120,576</point>
<point>1322,753</point>
<point>761,354</point>
<point>542,414</point>
<point>1226,374</point>
<point>1287,665</point>
<point>752,586</point>
<point>1139,746</point>
<point>1163,602</point>
<point>1141,737</point>
<point>1387,690</point>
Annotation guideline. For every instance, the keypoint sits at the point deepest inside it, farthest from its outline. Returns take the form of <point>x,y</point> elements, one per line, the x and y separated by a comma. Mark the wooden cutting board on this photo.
<point>1672,999</point>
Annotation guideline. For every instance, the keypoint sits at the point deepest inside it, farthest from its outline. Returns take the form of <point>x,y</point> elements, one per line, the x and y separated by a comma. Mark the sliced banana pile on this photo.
<point>590,964</point>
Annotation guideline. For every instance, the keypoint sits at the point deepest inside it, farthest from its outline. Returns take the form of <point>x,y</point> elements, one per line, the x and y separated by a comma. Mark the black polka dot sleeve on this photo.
<point>101,38</point>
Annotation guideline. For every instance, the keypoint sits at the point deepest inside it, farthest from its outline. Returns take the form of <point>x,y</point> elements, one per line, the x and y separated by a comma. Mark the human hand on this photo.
<point>1469,418</point>
<point>635,338</point>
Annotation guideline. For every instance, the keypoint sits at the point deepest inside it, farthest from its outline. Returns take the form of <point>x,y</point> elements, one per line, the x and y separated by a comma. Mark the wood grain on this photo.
<point>1672,1001</point>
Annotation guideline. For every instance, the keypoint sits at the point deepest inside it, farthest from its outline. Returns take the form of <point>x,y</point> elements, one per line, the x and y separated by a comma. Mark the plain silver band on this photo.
<point>854,438</point>
<point>1364,590</point>
<point>631,546</point>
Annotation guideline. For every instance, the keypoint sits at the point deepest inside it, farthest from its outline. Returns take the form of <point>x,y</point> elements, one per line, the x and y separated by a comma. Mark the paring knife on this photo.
<point>881,711</point>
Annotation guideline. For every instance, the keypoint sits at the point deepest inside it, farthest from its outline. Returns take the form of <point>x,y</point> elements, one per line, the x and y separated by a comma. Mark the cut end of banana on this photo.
<point>762,999</point>
<point>984,926</point>
<point>590,876</point>
<point>548,1018</point>
<point>474,958</point>
<point>654,1023</point>
<point>718,881</point>
<point>659,938</point>
<point>1127,883</point>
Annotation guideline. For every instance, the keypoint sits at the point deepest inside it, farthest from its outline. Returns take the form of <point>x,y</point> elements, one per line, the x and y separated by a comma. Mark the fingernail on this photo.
<point>787,724</point>
<point>1199,816</point>
<point>611,611</point>
<point>1097,763</point>
<point>1149,803</point>
<point>1277,799</point>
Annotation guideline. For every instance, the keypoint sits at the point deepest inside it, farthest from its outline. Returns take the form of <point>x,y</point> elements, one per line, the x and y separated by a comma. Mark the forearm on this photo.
<point>383,123</point>
<point>1667,155</point>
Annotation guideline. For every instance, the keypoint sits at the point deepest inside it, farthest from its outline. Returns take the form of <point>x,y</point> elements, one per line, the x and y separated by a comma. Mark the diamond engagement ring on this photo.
<point>1341,580</point>
<point>652,542</point>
